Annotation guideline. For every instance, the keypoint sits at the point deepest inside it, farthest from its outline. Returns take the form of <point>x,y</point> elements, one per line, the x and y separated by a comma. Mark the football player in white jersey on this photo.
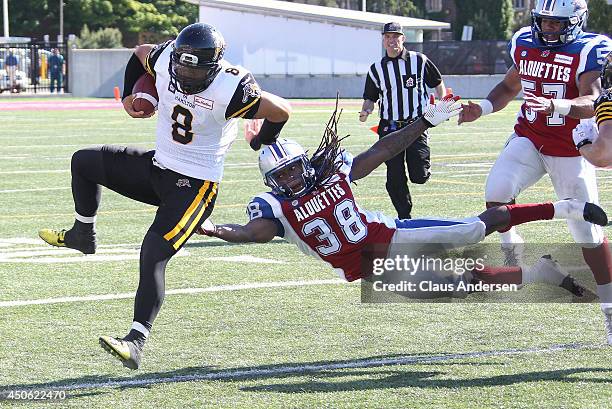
<point>312,206</point>
<point>201,97</point>
<point>557,67</point>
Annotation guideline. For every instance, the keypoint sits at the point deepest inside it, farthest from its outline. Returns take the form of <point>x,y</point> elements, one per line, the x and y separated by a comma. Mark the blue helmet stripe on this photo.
<point>548,5</point>
<point>277,151</point>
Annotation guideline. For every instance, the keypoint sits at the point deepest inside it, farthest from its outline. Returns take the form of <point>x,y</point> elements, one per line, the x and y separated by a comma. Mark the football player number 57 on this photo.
<point>552,91</point>
<point>181,128</point>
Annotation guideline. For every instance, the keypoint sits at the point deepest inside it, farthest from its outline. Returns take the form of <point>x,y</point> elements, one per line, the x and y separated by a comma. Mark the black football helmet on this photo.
<point>606,72</point>
<point>195,57</point>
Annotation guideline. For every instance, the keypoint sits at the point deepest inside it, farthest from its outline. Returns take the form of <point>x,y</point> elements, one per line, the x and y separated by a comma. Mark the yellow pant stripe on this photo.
<point>195,221</point>
<point>187,215</point>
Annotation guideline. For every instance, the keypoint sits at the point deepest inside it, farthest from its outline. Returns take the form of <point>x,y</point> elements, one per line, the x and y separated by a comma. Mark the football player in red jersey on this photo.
<point>556,66</point>
<point>312,206</point>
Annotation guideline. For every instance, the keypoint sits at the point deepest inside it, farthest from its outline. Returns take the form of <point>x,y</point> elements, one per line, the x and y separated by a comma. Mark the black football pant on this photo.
<point>416,158</point>
<point>183,205</point>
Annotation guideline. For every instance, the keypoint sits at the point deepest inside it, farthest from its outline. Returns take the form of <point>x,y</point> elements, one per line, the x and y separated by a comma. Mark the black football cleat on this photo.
<point>581,294</point>
<point>594,214</point>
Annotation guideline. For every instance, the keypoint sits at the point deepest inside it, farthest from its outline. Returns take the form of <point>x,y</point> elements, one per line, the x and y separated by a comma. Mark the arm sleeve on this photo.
<point>246,99</point>
<point>371,90</point>
<point>433,78</point>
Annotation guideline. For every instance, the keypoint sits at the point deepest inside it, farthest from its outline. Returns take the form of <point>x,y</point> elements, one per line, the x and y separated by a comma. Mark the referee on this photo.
<point>398,82</point>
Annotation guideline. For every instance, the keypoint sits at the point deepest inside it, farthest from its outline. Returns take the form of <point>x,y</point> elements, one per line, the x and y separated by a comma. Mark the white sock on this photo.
<point>511,237</point>
<point>569,209</point>
<point>85,219</point>
<point>137,326</point>
<point>543,271</point>
<point>605,296</point>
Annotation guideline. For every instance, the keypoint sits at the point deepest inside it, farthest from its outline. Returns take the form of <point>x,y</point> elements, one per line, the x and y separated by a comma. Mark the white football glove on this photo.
<point>207,228</point>
<point>443,110</point>
<point>537,104</point>
<point>585,132</point>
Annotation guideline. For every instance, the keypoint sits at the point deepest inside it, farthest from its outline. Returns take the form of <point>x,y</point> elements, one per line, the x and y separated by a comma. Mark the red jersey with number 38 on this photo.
<point>327,223</point>
<point>553,73</point>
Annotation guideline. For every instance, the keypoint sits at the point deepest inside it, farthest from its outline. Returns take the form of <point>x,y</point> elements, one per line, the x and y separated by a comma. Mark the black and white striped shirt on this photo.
<point>398,84</point>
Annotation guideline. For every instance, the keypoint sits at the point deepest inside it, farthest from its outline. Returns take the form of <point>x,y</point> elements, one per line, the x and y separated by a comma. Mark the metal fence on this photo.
<point>30,68</point>
<point>466,57</point>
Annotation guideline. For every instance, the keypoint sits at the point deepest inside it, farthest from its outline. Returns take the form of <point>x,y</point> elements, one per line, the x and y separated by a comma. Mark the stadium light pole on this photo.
<point>6,21</point>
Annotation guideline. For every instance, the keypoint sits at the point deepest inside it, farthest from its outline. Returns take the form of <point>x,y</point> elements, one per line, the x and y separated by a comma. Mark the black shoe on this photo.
<point>595,214</point>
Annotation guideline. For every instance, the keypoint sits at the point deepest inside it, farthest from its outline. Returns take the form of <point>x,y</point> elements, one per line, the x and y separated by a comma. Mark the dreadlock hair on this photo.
<point>325,159</point>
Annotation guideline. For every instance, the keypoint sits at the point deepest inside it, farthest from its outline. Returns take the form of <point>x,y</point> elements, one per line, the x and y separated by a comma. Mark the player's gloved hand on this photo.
<point>207,228</point>
<point>585,133</point>
<point>538,104</point>
<point>443,110</point>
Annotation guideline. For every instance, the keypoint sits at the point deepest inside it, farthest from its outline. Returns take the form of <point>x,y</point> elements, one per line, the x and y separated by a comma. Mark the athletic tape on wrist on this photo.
<point>486,106</point>
<point>562,106</point>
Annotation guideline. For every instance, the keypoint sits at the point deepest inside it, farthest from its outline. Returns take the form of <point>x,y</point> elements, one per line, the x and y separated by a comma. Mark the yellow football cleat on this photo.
<point>53,237</point>
<point>126,351</point>
<point>83,242</point>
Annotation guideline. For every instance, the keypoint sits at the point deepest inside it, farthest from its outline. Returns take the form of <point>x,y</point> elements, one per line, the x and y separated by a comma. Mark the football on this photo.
<point>146,94</point>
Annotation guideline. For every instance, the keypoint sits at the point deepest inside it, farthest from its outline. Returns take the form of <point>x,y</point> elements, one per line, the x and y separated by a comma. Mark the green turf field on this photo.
<point>300,338</point>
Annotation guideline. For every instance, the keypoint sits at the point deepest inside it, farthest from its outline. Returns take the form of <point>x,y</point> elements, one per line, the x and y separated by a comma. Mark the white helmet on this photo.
<point>571,13</point>
<point>280,155</point>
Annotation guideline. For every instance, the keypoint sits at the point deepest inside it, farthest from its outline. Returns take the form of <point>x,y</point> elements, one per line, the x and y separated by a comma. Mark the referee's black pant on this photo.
<point>416,158</point>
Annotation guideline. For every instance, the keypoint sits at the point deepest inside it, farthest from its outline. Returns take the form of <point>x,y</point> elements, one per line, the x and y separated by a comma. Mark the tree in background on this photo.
<point>34,18</point>
<point>103,38</point>
<point>600,17</point>
<point>394,7</point>
<point>491,19</point>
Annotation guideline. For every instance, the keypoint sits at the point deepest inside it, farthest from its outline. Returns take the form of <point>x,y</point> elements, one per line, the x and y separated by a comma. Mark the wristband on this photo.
<point>268,134</point>
<point>582,143</point>
<point>561,106</point>
<point>133,71</point>
<point>486,106</point>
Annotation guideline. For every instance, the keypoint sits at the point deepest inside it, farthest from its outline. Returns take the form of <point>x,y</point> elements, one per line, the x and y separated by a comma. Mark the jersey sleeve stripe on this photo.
<point>148,67</point>
<point>604,112</point>
<point>605,107</point>
<point>244,109</point>
<point>179,234</point>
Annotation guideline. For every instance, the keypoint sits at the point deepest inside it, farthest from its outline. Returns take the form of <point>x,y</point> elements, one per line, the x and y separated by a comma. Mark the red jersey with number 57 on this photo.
<point>327,223</point>
<point>553,73</point>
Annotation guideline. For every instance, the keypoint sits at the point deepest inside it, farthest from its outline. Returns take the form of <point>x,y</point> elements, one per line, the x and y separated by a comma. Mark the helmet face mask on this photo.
<point>571,14</point>
<point>195,57</point>
<point>286,169</point>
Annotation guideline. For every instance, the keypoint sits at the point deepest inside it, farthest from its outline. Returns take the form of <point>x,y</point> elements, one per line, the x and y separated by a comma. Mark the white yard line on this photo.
<point>299,369</point>
<point>213,289</point>
<point>44,189</point>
